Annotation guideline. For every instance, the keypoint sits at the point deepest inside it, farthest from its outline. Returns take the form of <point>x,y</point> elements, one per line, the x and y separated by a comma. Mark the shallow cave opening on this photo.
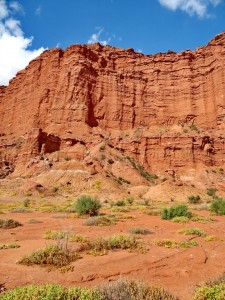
<point>48,143</point>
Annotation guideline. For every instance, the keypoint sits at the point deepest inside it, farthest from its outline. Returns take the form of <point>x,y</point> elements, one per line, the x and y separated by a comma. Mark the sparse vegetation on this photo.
<point>120,203</point>
<point>140,230</point>
<point>211,192</point>
<point>9,246</point>
<point>218,206</point>
<point>51,292</point>
<point>141,170</point>
<point>100,221</point>
<point>192,231</point>
<point>129,200</point>
<point>9,223</point>
<point>55,235</point>
<point>125,289</point>
<point>212,290</point>
<point>55,189</point>
<point>193,127</point>
<point>180,210</point>
<point>201,219</point>
<point>173,244</point>
<point>194,199</point>
<point>213,238</point>
<point>26,202</point>
<point>52,255</point>
<point>87,205</point>
<point>181,220</point>
<point>123,242</point>
<point>67,158</point>
<point>122,289</point>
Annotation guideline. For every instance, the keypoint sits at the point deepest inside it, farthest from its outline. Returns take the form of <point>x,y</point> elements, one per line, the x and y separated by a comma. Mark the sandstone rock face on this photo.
<point>167,111</point>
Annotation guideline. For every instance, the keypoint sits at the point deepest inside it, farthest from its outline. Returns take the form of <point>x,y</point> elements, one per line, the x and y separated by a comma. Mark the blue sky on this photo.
<point>27,27</point>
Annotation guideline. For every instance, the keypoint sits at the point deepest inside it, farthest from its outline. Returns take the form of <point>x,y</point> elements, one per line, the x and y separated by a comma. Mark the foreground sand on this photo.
<point>179,270</point>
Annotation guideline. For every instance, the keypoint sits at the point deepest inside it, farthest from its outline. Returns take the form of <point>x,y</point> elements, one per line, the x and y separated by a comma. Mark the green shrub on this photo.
<point>180,210</point>
<point>52,255</point>
<point>51,292</point>
<point>55,189</point>
<point>129,200</point>
<point>26,202</point>
<point>211,192</point>
<point>212,290</point>
<point>139,230</point>
<point>67,158</point>
<point>100,221</point>
<point>87,205</point>
<point>194,127</point>
<point>120,203</point>
<point>218,206</point>
<point>9,223</point>
<point>194,199</point>
<point>125,289</point>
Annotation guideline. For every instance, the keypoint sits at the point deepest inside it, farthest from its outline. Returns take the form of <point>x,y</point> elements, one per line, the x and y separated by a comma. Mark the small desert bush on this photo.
<point>201,219</point>
<point>120,209</point>
<point>51,292</point>
<point>122,242</point>
<point>213,238</point>
<point>180,210</point>
<point>129,200</point>
<point>87,205</point>
<point>78,238</point>
<point>124,289</point>
<point>211,192</point>
<point>56,235</point>
<point>9,246</point>
<point>63,235</point>
<point>26,202</point>
<point>153,212</point>
<point>9,223</point>
<point>173,244</point>
<point>52,255</point>
<point>218,206</point>
<point>180,220</point>
<point>192,231</point>
<point>140,230</point>
<point>194,199</point>
<point>100,221</point>
<point>212,290</point>
<point>120,203</point>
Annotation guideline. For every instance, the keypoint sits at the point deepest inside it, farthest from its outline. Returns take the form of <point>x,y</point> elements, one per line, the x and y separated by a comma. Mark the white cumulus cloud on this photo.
<point>192,7</point>
<point>15,53</point>
<point>96,37</point>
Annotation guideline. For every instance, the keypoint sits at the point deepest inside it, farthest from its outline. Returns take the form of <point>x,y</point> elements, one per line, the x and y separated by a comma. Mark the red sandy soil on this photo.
<point>178,270</point>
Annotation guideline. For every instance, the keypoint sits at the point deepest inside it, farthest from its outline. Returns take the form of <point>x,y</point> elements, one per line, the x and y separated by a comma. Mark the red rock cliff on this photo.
<point>166,110</point>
